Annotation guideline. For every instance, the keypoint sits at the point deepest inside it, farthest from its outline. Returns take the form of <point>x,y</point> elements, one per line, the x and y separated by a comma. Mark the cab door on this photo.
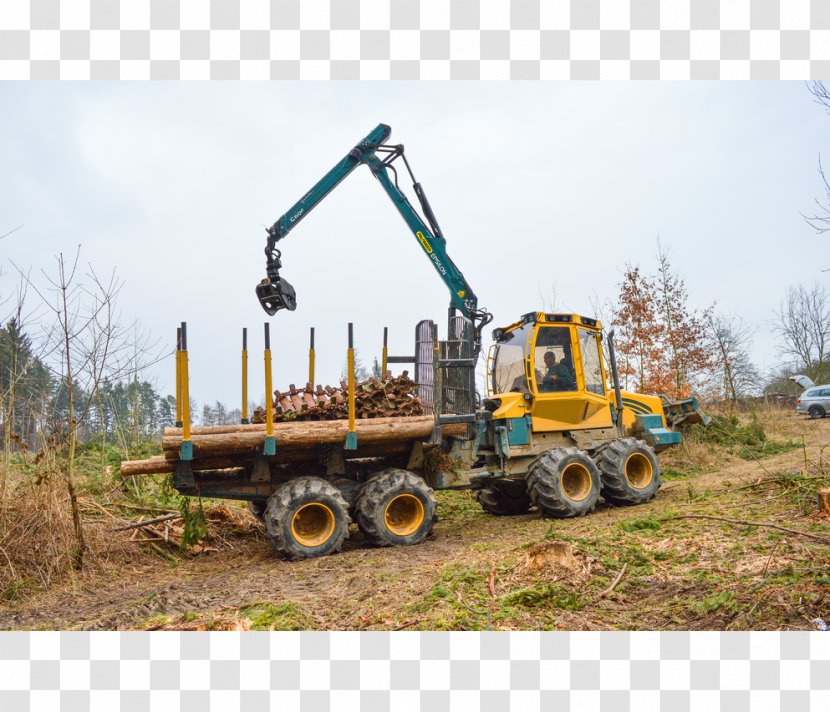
<point>568,386</point>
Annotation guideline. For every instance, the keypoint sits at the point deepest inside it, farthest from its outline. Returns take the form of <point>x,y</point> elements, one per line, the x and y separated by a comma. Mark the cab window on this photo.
<point>553,360</point>
<point>591,361</point>
<point>509,368</point>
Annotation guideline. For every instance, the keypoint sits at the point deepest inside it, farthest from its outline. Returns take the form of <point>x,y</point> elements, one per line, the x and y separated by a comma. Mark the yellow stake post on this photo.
<point>179,377</point>
<point>351,436</point>
<point>384,353</point>
<point>244,420</point>
<point>270,442</point>
<point>186,450</point>
<point>311,359</point>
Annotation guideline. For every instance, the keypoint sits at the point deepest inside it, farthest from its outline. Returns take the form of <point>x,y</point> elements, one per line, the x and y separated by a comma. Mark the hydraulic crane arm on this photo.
<point>276,293</point>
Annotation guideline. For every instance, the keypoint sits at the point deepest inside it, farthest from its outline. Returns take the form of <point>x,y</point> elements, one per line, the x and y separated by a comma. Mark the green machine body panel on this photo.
<point>655,433</point>
<point>518,430</point>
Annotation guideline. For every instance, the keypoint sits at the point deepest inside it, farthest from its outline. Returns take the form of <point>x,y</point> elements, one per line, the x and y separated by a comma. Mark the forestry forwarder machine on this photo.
<point>552,437</point>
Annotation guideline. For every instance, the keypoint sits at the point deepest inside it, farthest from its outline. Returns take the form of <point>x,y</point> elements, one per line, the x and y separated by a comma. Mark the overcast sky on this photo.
<point>538,187</point>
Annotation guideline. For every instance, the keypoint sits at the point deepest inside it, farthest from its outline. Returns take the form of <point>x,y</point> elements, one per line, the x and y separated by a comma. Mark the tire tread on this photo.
<point>280,503</point>
<point>373,491</point>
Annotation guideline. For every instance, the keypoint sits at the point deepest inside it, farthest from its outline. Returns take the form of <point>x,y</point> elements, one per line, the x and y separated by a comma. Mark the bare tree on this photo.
<point>731,339</point>
<point>83,345</point>
<point>549,301</point>
<point>820,221</point>
<point>821,95</point>
<point>803,323</point>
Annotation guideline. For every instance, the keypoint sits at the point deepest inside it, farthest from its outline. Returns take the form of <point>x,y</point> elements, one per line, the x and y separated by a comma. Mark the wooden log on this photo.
<point>249,428</point>
<point>311,453</point>
<point>305,435</point>
<point>161,464</point>
<point>166,465</point>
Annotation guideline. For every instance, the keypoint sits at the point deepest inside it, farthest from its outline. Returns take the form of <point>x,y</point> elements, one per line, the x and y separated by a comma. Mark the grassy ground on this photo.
<point>655,566</point>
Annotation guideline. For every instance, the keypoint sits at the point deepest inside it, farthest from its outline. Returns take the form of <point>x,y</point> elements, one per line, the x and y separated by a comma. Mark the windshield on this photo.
<point>509,368</point>
<point>590,348</point>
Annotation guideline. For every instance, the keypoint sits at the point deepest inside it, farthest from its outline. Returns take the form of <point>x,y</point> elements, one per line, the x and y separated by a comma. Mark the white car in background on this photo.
<point>815,401</point>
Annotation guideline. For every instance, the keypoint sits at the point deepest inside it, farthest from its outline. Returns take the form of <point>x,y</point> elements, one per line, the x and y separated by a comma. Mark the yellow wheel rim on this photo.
<point>312,524</point>
<point>576,481</point>
<point>638,470</point>
<point>404,515</point>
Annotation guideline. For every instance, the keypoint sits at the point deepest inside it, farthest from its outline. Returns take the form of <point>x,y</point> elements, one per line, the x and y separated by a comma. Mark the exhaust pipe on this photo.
<point>615,376</point>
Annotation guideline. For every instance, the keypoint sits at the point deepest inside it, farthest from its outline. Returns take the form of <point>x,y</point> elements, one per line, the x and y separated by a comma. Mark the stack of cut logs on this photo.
<point>389,418</point>
<point>374,398</point>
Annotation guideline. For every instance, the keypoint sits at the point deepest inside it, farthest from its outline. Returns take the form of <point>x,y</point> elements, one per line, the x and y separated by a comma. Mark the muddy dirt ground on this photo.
<point>654,566</point>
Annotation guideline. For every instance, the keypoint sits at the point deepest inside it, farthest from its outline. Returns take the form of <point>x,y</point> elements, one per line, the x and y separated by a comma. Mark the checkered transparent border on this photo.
<point>414,39</point>
<point>382,671</point>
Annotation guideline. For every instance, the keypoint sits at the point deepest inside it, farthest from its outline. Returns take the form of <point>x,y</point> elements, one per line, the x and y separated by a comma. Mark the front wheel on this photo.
<point>307,517</point>
<point>630,472</point>
<point>816,412</point>
<point>564,482</point>
<point>395,508</point>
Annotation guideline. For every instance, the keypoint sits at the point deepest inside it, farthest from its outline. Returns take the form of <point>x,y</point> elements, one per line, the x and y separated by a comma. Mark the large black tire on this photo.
<point>563,482</point>
<point>395,508</point>
<point>307,517</point>
<point>816,412</point>
<point>504,497</point>
<point>257,508</point>
<point>630,472</point>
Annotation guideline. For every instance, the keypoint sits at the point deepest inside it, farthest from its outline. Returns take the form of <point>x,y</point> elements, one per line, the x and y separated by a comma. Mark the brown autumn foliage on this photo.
<point>661,340</point>
<point>638,327</point>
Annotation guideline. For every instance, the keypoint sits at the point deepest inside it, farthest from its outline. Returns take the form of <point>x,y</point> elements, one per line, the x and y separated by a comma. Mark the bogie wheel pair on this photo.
<point>630,472</point>
<point>309,516</point>
<point>306,517</point>
<point>395,508</point>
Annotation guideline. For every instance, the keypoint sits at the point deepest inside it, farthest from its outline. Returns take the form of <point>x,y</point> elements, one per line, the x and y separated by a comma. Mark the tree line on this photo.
<point>34,402</point>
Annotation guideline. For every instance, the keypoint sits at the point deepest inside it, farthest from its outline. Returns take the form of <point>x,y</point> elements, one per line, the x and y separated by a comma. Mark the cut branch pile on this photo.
<point>168,529</point>
<point>374,398</point>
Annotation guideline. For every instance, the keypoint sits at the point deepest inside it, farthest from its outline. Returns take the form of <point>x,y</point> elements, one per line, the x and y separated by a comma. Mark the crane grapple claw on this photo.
<point>276,295</point>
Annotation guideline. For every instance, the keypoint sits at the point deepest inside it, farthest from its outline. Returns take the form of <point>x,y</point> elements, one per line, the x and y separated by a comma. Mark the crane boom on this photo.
<point>276,293</point>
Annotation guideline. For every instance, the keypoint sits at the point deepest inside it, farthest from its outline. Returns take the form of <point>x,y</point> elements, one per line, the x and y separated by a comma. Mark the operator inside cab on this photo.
<point>556,377</point>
